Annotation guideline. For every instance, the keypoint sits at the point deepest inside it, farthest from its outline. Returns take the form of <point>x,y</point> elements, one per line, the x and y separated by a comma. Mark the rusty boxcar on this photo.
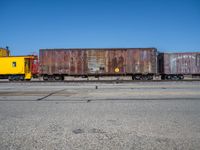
<point>140,63</point>
<point>176,65</point>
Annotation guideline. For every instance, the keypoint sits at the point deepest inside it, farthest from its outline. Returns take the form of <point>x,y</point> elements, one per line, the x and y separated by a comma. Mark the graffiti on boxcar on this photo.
<point>96,61</point>
<point>182,63</point>
<point>183,57</point>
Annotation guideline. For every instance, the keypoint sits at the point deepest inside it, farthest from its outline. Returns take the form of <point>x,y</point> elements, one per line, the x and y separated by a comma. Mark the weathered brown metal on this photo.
<point>142,61</point>
<point>179,63</point>
<point>98,61</point>
<point>62,61</point>
<point>117,61</point>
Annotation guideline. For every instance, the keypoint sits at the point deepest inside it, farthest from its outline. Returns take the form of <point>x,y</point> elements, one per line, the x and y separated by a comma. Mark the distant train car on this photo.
<point>16,67</point>
<point>140,63</point>
<point>176,65</point>
<point>4,52</point>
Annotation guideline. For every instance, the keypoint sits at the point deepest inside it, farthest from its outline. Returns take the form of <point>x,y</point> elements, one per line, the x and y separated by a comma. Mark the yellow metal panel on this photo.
<point>11,65</point>
<point>28,75</point>
<point>16,65</point>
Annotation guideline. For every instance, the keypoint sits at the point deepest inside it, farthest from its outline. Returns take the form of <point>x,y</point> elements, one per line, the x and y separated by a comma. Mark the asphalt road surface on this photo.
<point>89,116</point>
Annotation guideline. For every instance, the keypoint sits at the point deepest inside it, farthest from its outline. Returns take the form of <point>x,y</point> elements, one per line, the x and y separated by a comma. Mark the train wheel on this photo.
<point>14,78</point>
<point>58,78</point>
<point>45,78</point>
<point>174,77</point>
<point>21,78</point>
<point>181,77</point>
<point>163,77</point>
<point>10,78</point>
<point>169,77</point>
<point>144,77</point>
<point>150,77</point>
<point>137,77</point>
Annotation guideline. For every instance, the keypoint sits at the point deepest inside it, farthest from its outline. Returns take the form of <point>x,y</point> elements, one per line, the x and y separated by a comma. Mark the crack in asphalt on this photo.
<point>42,98</point>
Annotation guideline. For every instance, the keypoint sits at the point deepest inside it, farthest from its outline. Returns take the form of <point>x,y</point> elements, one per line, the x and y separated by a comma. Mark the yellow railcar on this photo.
<point>16,67</point>
<point>4,52</point>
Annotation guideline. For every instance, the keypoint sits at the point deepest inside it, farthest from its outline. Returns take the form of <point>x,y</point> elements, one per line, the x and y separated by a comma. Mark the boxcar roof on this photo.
<point>92,48</point>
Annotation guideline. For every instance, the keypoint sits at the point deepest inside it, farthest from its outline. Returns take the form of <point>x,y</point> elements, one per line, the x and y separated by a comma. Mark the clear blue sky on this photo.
<point>170,25</point>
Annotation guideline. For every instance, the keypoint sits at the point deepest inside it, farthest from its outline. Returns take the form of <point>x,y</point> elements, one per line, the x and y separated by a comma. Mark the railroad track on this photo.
<point>100,81</point>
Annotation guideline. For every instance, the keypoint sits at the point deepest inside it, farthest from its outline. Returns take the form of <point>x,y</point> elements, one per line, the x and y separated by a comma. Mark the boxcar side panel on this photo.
<point>141,61</point>
<point>54,62</point>
<point>97,61</point>
<point>181,63</point>
<point>117,61</point>
<point>77,63</point>
<point>62,61</point>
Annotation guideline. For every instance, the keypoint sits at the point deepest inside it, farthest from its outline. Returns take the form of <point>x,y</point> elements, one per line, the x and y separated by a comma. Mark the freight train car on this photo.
<point>140,63</point>
<point>16,67</point>
<point>4,52</point>
<point>173,66</point>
